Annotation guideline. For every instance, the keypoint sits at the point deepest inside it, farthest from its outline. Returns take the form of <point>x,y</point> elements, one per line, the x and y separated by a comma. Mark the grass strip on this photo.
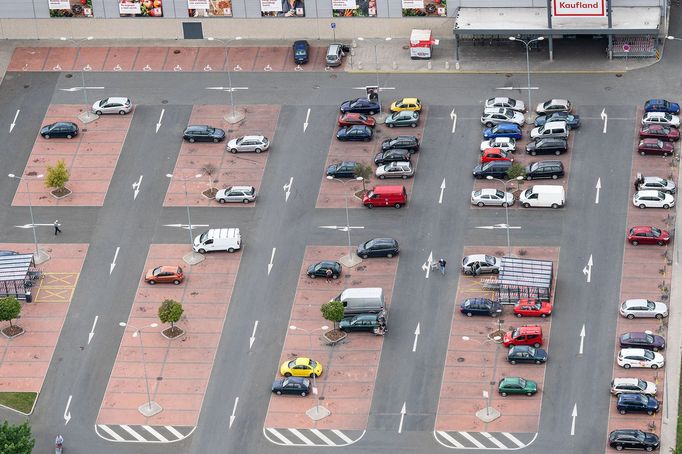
<point>23,402</point>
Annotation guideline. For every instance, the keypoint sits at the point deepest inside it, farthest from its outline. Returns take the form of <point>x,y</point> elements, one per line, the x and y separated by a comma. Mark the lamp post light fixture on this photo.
<point>506,207</point>
<point>150,408</point>
<point>40,255</point>
<point>351,259</point>
<point>192,258</point>
<point>670,37</point>
<point>317,412</point>
<point>234,116</point>
<point>376,62</point>
<point>527,44</point>
<point>87,116</point>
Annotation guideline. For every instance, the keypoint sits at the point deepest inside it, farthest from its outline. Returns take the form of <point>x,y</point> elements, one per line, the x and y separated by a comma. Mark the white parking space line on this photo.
<point>513,439</point>
<point>493,440</point>
<point>476,443</point>
<point>454,442</point>
<point>281,437</point>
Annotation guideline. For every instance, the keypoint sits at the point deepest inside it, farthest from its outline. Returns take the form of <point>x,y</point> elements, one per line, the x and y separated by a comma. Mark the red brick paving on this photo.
<point>28,59</point>
<point>242,57</point>
<point>120,57</point>
<point>153,58</point>
<point>476,365</point>
<point>185,363</point>
<point>270,59</point>
<point>214,57</point>
<point>94,57</point>
<point>350,368</point>
<point>60,59</point>
<point>183,60</point>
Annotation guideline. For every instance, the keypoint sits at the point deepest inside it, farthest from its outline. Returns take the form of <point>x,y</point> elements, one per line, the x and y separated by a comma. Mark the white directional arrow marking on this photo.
<point>605,118</point>
<point>517,88</point>
<point>14,122</point>
<point>136,187</point>
<point>442,190</point>
<point>582,339</point>
<point>574,414</point>
<point>427,265</point>
<point>228,89</point>
<point>253,335</point>
<point>287,189</point>
<point>272,257</point>
<point>92,330</point>
<point>587,271</point>
<point>305,125</point>
<point>453,117</point>
<point>497,226</point>
<point>158,124</point>
<point>30,226</point>
<point>340,228</point>
<point>402,417</point>
<point>81,88</point>
<point>598,186</point>
<point>67,413</point>
<point>417,332</point>
<point>113,263</point>
<point>380,88</point>
<point>182,226</point>
<point>234,409</point>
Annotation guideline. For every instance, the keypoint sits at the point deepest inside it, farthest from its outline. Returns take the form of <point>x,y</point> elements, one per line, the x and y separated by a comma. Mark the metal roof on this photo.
<point>520,272</point>
<point>15,267</point>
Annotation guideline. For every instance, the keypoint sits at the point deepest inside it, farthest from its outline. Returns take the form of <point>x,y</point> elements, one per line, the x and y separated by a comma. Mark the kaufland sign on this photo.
<point>576,8</point>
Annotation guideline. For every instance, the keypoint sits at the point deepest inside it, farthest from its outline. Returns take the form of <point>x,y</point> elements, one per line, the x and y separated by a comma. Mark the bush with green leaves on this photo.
<point>57,176</point>
<point>16,439</point>
<point>10,308</point>
<point>332,311</point>
<point>516,170</point>
<point>170,311</point>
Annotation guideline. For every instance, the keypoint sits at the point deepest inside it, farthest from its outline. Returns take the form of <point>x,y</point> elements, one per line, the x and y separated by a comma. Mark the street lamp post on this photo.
<point>527,44</point>
<point>233,116</point>
<point>40,256</point>
<point>506,206</point>
<point>350,260</point>
<point>489,413</point>
<point>150,408</point>
<point>192,258</point>
<point>670,37</point>
<point>87,116</point>
<point>376,63</point>
<point>317,412</point>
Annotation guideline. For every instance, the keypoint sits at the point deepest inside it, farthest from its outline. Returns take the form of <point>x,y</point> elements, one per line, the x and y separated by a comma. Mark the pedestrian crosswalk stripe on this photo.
<point>281,437</point>
<point>305,439</point>
<point>514,439</point>
<point>342,436</point>
<point>155,433</point>
<point>454,442</point>
<point>113,434</point>
<point>476,443</point>
<point>493,440</point>
<point>137,436</point>
<point>323,437</point>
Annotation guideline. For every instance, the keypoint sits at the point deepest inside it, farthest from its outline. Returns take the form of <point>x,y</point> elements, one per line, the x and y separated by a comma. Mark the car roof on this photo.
<point>409,100</point>
<point>241,188</point>
<point>501,99</point>
<point>656,114</point>
<point>625,381</point>
<point>633,351</point>
<point>557,101</point>
<point>197,127</point>
<point>383,240</point>
<point>530,329</point>
<point>636,301</point>
<point>641,228</point>
<point>489,191</point>
<point>653,179</point>
<point>252,137</point>
<point>121,99</point>
<point>476,257</point>
<point>171,268</point>
<point>300,42</point>
<point>502,139</point>
<point>646,193</point>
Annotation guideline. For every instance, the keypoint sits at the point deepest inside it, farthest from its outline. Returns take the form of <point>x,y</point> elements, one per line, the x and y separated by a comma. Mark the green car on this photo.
<point>403,118</point>
<point>517,385</point>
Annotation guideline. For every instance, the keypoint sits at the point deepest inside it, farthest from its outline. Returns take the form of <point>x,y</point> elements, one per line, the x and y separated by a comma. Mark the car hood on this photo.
<point>45,129</point>
<point>650,438</point>
<point>219,132</point>
<point>345,105</point>
<point>478,168</point>
<point>311,268</point>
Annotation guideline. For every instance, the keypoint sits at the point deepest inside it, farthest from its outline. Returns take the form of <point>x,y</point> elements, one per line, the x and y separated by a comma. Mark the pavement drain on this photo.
<point>68,76</point>
<point>164,101</point>
<point>176,51</point>
<point>27,85</point>
<point>460,360</point>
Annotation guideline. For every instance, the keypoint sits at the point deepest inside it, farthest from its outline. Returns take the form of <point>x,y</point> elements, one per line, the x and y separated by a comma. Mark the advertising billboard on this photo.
<point>140,8</point>
<point>354,8</point>
<point>70,8</point>
<point>209,8</point>
<point>282,8</point>
<point>577,8</point>
<point>424,8</point>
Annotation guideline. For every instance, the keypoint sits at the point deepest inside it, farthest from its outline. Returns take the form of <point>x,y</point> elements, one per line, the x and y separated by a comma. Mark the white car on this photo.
<point>632,386</point>
<point>653,199</point>
<point>509,103</point>
<point>639,357</point>
<point>503,143</point>
<point>661,118</point>
<point>395,169</point>
<point>248,143</point>
<point>641,308</point>
<point>488,196</point>
<point>113,105</point>
<point>240,194</point>
<point>553,105</point>
<point>495,115</point>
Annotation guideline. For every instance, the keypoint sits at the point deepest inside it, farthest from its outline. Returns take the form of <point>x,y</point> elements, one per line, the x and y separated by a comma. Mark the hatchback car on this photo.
<point>646,234</point>
<point>402,119</point>
<point>572,121</point>
<point>655,147</point>
<point>335,54</point>
<point>480,306</point>
<point>553,105</point>
<point>301,51</point>
<point>545,169</point>
<point>395,169</point>
<point>509,103</point>
<point>632,385</point>
<point>655,183</point>
<point>549,145</point>
<point>379,247</point>
<point>319,269</point>
<point>645,340</point>
<point>485,264</point>
<point>503,130</point>
<point>517,385</point>
<point>636,403</point>
<point>363,322</point>
<point>528,307</point>
<point>248,143</point>
<point>503,143</point>
<point>238,194</point>
<point>345,169</point>
<point>526,354</point>
<point>642,308</point>
<point>662,132</point>
<point>413,104</point>
<point>63,129</point>
<point>633,439</point>
<point>491,197</point>
<point>360,105</point>
<point>395,155</point>
<point>661,118</point>
<point>355,133</point>
<point>495,154</point>
<point>496,115</point>
<point>203,133</point>
<point>292,385</point>
<point>112,105</point>
<point>410,143</point>
<point>301,367</point>
<point>661,105</point>
<point>495,169</point>
<point>653,199</point>
<point>523,335</point>
<point>351,118</point>
<point>639,357</point>
<point>165,274</point>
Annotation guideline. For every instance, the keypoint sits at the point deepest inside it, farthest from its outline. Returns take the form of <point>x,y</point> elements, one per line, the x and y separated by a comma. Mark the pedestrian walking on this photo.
<point>56,227</point>
<point>476,269</point>
<point>329,275</point>
<point>441,265</point>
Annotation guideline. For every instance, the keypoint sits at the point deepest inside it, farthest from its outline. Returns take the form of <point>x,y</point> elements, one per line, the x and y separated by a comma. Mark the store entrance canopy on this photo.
<point>16,274</point>
<point>524,278</point>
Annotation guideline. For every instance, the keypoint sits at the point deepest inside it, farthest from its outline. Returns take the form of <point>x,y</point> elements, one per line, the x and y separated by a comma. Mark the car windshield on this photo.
<point>522,382</point>
<point>641,384</point>
<point>648,354</point>
<point>300,52</point>
<point>203,237</point>
<point>650,305</point>
<point>534,166</point>
<point>656,231</point>
<point>515,333</point>
<point>104,101</point>
<point>499,194</point>
<point>156,271</point>
<point>668,117</point>
<point>477,193</point>
<point>660,195</point>
<point>210,130</point>
<point>362,118</point>
<point>649,338</point>
<point>489,260</point>
<point>356,103</point>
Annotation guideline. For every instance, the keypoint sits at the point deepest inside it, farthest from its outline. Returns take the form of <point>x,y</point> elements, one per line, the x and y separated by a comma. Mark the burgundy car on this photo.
<point>644,234</point>
<point>659,132</point>
<point>350,119</point>
<point>655,147</point>
<point>642,340</point>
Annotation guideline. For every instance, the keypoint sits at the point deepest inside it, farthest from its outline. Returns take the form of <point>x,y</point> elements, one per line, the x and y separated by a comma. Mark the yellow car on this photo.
<point>412,104</point>
<point>301,367</point>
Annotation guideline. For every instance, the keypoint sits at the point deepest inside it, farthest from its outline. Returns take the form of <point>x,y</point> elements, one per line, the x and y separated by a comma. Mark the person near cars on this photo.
<point>638,181</point>
<point>441,265</point>
<point>381,329</point>
<point>328,274</point>
<point>475,269</point>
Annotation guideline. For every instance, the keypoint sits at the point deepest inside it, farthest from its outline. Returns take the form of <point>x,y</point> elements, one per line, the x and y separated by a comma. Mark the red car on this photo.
<point>495,154</point>
<point>532,308</point>
<point>655,147</point>
<point>644,234</point>
<point>524,335</point>
<point>659,132</point>
<point>163,274</point>
<point>350,119</point>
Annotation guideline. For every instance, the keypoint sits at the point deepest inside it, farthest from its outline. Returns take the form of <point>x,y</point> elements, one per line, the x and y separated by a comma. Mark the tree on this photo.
<point>16,439</point>
<point>364,171</point>
<point>332,311</point>
<point>10,308</point>
<point>57,176</point>
<point>170,311</point>
<point>516,170</point>
<point>209,170</point>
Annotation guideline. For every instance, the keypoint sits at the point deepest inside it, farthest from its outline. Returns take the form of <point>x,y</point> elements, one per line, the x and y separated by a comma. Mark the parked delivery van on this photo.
<point>543,196</point>
<point>362,300</point>
<point>385,196</point>
<point>226,239</point>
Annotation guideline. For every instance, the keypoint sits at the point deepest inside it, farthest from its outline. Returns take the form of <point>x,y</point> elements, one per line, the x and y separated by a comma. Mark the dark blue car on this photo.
<point>355,132</point>
<point>503,130</point>
<point>480,306</point>
<point>301,51</point>
<point>661,105</point>
<point>360,105</point>
<point>572,121</point>
<point>639,403</point>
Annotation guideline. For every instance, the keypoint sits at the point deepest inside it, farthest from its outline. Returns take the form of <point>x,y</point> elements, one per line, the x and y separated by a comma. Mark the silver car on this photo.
<point>642,308</point>
<point>654,183</point>
<point>480,263</point>
<point>503,143</point>
<point>248,143</point>
<point>661,118</point>
<point>492,197</point>
<point>496,115</point>
<point>510,103</point>
<point>239,194</point>
<point>396,169</point>
<point>112,105</point>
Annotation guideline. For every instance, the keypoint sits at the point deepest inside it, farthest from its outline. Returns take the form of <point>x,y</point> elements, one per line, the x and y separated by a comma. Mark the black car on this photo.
<point>319,269</point>
<point>639,339</point>
<point>363,322</point>
<point>496,169</point>
<point>60,129</point>
<point>301,51</point>
<point>572,121</point>
<point>480,306</point>
<point>410,143</point>
<point>636,403</point>
<point>345,169</point>
<point>547,145</point>
<point>360,105</point>
<point>544,169</point>
<point>379,247</point>
<point>355,132</point>
<point>292,385</point>
<point>633,439</point>
<point>385,157</point>
<point>526,354</point>
<point>203,133</point>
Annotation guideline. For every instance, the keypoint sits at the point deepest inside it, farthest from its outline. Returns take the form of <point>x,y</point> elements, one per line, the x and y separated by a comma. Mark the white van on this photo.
<point>362,300</point>
<point>556,129</point>
<point>543,196</point>
<point>218,240</point>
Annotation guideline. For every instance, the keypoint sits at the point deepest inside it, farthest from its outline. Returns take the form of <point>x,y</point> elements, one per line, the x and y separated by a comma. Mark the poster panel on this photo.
<point>282,8</point>
<point>140,8</point>
<point>209,8</point>
<point>424,8</point>
<point>354,8</point>
<point>577,8</point>
<point>70,8</point>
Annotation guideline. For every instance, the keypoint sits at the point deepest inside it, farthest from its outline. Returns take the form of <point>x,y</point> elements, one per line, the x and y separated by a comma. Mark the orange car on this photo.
<point>163,274</point>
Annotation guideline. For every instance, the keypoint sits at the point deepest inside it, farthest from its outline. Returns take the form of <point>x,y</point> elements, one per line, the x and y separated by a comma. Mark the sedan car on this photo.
<point>503,130</point>
<point>363,322</point>
<point>395,155</point>
<point>496,115</point>
<point>491,197</point>
<point>360,105</point>
<point>62,129</point>
<point>653,199</point>
<point>495,154</point>
<point>203,133</point>
<point>646,234</point>
<point>636,403</point>
<point>164,274</point>
<point>403,118</point>
<point>379,247</point>
<point>662,132</point>
<point>661,105</point>
<point>410,143</point>
<point>355,133</point>
<point>655,183</point>
<point>237,194</point>
<point>655,147</point>
<point>642,308</point>
<point>345,169</point>
<point>632,385</point>
<point>633,439</point>
<point>480,306</point>
<point>526,354</point>
<point>549,145</point>
<point>661,118</point>
<point>528,307</point>
<point>112,105</point>
<point>509,103</point>
<point>503,143</point>
<point>545,169</point>
<point>301,51</point>
<point>319,269</point>
<point>395,169</point>
<point>639,357</point>
<point>645,340</point>
<point>301,367</point>
<point>248,143</point>
<point>495,169</point>
<point>572,121</point>
<point>480,264</point>
<point>517,385</point>
<point>413,104</point>
<point>553,105</point>
<point>351,118</point>
<point>292,385</point>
